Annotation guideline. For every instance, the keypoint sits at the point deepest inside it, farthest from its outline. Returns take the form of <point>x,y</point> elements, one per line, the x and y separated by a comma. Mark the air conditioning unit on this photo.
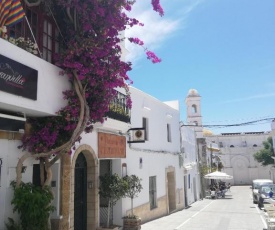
<point>137,135</point>
<point>12,122</point>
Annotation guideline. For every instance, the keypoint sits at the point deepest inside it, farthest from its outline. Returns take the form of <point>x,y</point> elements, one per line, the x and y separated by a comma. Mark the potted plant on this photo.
<point>112,187</point>
<point>132,222</point>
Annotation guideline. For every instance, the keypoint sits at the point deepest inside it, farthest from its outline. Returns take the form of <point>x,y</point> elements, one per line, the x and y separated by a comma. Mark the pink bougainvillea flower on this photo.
<point>153,57</point>
<point>157,7</point>
<point>136,41</point>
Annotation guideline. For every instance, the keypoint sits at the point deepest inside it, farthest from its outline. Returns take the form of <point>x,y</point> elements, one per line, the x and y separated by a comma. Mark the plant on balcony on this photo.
<point>26,44</point>
<point>119,112</point>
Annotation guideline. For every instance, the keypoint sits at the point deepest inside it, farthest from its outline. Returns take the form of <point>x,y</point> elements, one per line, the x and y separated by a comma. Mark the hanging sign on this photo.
<point>18,79</point>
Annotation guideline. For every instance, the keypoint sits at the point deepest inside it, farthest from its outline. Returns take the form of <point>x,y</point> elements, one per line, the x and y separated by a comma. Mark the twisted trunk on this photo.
<point>61,150</point>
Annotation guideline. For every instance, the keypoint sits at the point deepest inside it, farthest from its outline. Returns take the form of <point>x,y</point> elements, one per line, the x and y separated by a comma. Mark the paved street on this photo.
<point>235,212</point>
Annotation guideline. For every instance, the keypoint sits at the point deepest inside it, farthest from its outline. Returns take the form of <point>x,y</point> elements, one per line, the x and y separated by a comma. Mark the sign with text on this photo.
<point>111,146</point>
<point>18,79</point>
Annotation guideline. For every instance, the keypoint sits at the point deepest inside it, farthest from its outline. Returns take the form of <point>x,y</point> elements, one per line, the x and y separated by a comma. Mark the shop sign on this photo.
<point>18,79</point>
<point>111,146</point>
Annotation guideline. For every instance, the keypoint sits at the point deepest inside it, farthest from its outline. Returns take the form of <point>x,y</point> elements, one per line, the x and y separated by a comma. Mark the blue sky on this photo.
<point>223,48</point>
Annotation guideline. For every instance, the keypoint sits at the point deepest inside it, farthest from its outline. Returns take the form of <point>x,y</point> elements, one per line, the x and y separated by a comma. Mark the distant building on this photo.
<point>237,150</point>
<point>192,186</point>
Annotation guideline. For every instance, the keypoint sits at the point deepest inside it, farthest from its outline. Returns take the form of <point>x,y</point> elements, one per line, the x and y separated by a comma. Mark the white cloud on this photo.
<point>258,96</point>
<point>156,29</point>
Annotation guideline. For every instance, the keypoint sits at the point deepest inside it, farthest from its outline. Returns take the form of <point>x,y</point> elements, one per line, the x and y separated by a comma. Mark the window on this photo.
<point>22,29</point>
<point>254,145</point>
<point>43,31</point>
<point>220,144</point>
<point>189,181</point>
<point>36,175</point>
<point>194,109</point>
<point>153,192</point>
<point>146,128</point>
<point>169,133</point>
<point>231,146</point>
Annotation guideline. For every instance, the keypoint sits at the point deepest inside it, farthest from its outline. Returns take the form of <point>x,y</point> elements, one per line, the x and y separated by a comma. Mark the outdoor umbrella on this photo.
<point>218,176</point>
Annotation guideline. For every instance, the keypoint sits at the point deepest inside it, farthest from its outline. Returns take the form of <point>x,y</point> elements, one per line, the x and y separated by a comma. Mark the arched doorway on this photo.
<point>80,196</point>
<point>240,166</point>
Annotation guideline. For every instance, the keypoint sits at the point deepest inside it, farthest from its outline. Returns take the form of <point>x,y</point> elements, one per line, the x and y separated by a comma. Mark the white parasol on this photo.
<point>218,175</point>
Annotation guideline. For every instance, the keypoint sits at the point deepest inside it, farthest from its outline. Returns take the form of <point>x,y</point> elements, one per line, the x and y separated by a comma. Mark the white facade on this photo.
<point>49,86</point>
<point>192,184</point>
<point>49,100</point>
<point>193,107</point>
<point>158,156</point>
<point>237,150</point>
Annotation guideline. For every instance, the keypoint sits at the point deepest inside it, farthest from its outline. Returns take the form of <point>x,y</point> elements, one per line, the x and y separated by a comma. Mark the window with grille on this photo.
<point>50,40</point>
<point>153,192</point>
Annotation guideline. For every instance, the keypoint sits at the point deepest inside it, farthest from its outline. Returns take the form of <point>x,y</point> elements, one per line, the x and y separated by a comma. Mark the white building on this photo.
<point>192,184</point>
<point>157,161</point>
<point>237,150</point>
<point>193,109</point>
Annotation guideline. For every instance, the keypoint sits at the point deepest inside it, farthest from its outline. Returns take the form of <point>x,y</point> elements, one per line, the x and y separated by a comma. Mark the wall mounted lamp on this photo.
<point>90,184</point>
<point>24,168</point>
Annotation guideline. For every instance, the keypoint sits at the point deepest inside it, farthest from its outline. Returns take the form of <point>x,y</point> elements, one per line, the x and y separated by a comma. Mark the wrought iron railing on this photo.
<point>118,109</point>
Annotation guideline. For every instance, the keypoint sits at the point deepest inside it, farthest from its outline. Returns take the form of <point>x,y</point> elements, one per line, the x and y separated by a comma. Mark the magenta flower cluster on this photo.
<point>136,41</point>
<point>151,56</point>
<point>92,51</point>
<point>157,7</point>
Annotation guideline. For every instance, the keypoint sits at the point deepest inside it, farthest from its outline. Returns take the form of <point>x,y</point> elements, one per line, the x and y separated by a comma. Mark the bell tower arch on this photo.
<point>193,106</point>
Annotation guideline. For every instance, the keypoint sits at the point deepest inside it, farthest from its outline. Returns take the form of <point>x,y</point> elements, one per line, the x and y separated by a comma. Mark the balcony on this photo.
<point>118,109</point>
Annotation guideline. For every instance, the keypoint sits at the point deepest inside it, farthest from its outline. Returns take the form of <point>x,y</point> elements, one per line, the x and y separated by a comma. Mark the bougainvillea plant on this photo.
<point>91,32</point>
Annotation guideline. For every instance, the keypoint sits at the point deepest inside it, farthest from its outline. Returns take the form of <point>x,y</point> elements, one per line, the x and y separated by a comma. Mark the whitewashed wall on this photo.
<point>190,156</point>
<point>10,155</point>
<point>238,160</point>
<point>157,153</point>
<point>49,88</point>
<point>49,101</point>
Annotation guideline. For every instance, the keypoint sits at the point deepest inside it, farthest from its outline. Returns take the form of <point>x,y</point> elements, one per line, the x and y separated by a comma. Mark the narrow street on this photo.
<point>235,212</point>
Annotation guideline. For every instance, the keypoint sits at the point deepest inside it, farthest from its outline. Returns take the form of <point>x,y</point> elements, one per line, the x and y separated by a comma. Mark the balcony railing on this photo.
<point>118,109</point>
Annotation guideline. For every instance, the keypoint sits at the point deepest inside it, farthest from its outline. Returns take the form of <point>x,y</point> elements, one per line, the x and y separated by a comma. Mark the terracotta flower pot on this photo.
<point>131,224</point>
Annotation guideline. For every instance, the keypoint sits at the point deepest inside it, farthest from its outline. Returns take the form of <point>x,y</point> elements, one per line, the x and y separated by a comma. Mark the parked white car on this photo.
<point>255,188</point>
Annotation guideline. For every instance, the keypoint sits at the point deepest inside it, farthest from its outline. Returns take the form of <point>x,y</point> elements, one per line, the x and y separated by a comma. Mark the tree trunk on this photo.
<point>108,213</point>
<point>84,117</point>
<point>132,206</point>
